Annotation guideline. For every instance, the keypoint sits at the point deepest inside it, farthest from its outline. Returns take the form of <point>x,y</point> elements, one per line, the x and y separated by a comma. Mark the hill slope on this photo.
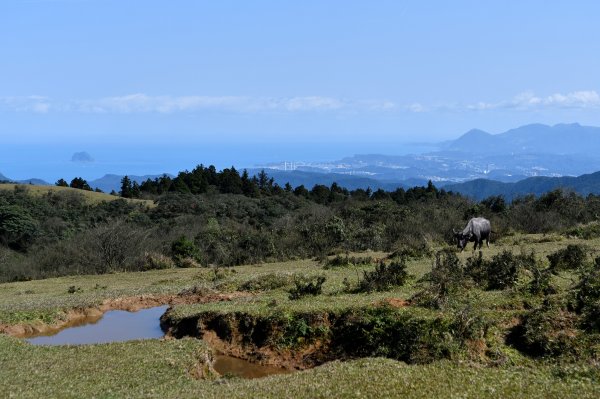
<point>91,197</point>
<point>483,188</point>
<point>560,139</point>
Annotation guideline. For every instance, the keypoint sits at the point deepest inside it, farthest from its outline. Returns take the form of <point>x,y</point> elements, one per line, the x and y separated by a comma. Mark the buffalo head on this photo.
<point>461,239</point>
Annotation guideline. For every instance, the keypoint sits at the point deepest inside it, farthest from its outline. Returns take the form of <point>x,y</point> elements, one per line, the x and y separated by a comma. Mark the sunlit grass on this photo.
<point>91,197</point>
<point>162,368</point>
<point>168,369</point>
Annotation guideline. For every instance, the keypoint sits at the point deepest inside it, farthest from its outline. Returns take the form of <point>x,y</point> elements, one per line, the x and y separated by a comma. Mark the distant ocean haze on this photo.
<point>51,162</point>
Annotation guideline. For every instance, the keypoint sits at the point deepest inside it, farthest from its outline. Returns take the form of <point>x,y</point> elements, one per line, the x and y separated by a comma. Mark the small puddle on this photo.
<point>119,326</point>
<point>114,326</point>
<point>229,365</point>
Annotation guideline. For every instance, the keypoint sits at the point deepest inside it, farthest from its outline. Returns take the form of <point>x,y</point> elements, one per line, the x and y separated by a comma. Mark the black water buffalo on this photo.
<point>478,229</point>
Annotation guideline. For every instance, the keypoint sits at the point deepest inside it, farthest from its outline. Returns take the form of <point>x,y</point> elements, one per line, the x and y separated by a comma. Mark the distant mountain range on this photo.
<point>309,179</point>
<point>481,188</point>
<point>561,139</point>
<point>489,163</point>
<point>37,182</point>
<point>531,150</point>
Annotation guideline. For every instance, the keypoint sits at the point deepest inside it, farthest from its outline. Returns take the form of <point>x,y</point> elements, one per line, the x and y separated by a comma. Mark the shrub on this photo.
<point>155,261</point>
<point>221,273</point>
<point>477,269</point>
<point>501,272</point>
<point>17,227</point>
<point>269,281</point>
<point>112,247</point>
<point>384,277</point>
<point>73,289</point>
<point>446,279</point>
<point>406,336</point>
<point>587,298</point>
<point>549,330</point>
<point>304,286</point>
<point>586,231</point>
<point>540,281</point>
<point>570,258</point>
<point>469,323</point>
<point>185,252</point>
<point>503,269</point>
<point>185,263</point>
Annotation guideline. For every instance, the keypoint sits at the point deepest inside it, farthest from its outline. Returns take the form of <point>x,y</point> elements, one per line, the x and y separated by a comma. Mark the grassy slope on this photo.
<point>24,301</point>
<point>161,368</point>
<point>91,197</point>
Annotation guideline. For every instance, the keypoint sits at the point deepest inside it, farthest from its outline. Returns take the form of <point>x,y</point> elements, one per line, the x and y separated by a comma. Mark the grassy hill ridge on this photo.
<point>91,197</point>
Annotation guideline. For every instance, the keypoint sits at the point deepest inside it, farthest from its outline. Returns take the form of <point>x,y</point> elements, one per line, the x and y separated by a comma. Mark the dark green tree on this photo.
<point>135,190</point>
<point>17,227</point>
<point>126,187</point>
<point>80,184</point>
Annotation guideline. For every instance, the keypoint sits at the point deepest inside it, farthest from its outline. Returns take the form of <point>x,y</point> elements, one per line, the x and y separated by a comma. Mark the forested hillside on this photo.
<point>225,218</point>
<point>482,188</point>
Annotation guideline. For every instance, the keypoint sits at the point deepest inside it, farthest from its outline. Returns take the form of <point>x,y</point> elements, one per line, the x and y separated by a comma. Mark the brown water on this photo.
<point>119,326</point>
<point>228,365</point>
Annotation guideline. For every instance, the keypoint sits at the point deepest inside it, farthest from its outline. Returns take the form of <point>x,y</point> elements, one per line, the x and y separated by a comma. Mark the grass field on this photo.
<point>91,197</point>
<point>170,368</point>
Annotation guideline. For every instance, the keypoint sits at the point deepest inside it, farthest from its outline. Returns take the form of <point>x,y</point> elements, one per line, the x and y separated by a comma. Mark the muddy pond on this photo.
<point>119,326</point>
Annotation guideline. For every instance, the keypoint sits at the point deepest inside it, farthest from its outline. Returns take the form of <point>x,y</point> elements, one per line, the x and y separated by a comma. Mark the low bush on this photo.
<point>468,322</point>
<point>477,268</point>
<point>306,285</point>
<point>154,261</point>
<point>586,231</point>
<point>549,330</point>
<point>446,279</point>
<point>587,298</point>
<point>184,252</point>
<point>74,289</point>
<point>540,281</point>
<point>385,331</point>
<point>503,269</point>
<point>500,272</point>
<point>570,258</point>
<point>187,263</point>
<point>384,277</point>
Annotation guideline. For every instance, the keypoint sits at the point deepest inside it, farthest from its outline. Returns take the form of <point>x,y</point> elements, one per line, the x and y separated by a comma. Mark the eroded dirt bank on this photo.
<point>84,315</point>
<point>304,340</point>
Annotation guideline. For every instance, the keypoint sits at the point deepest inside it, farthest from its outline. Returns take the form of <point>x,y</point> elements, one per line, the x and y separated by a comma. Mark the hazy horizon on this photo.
<point>149,87</point>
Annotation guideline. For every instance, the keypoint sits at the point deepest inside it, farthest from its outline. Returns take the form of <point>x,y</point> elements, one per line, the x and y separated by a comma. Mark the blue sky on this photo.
<point>152,86</point>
